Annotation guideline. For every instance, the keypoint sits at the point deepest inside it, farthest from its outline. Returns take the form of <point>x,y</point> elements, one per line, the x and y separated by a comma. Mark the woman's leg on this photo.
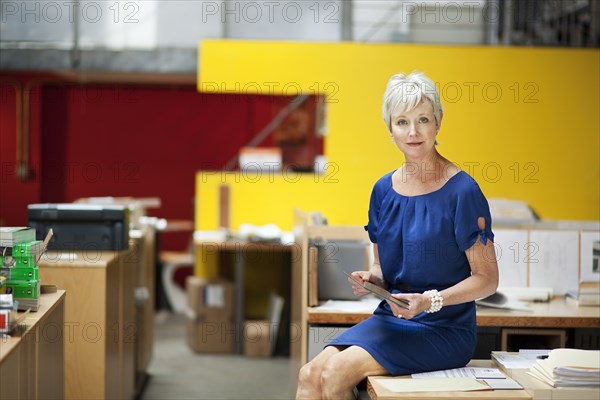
<point>334,373</point>
<point>309,378</point>
<point>346,369</point>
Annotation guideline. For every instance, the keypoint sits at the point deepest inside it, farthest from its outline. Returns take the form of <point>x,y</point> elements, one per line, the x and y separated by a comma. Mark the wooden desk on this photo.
<point>533,389</point>
<point>242,253</point>
<point>556,313</point>
<point>560,323</point>
<point>100,326</point>
<point>379,392</point>
<point>32,360</point>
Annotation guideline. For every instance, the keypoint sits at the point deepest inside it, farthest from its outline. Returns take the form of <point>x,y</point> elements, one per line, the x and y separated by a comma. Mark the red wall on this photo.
<point>123,140</point>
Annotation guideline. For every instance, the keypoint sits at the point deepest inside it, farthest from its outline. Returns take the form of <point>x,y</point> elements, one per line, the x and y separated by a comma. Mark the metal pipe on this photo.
<point>75,53</point>
<point>382,21</point>
<point>346,20</point>
<point>594,33</point>
<point>507,23</point>
<point>18,120</point>
<point>493,22</point>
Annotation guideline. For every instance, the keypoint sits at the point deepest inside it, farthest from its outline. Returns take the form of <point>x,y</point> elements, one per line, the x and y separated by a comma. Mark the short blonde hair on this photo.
<point>405,92</point>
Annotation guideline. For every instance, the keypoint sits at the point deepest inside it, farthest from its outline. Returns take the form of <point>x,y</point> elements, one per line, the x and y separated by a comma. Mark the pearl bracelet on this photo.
<point>437,301</point>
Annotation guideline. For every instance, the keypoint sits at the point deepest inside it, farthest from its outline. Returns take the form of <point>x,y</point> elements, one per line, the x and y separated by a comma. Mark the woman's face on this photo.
<point>414,131</point>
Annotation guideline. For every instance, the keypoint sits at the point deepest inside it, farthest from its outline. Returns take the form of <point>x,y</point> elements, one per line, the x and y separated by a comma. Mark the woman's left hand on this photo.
<point>417,303</point>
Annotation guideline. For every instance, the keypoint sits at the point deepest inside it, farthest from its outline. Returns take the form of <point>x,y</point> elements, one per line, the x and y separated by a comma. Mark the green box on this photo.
<point>20,274</point>
<point>24,289</point>
<point>25,262</point>
<point>28,249</point>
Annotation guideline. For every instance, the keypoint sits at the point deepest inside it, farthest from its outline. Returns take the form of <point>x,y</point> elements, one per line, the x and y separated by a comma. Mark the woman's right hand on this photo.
<point>362,276</point>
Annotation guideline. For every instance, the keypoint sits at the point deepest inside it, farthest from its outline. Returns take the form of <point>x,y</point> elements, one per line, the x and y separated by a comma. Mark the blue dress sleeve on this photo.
<point>472,204</point>
<point>374,205</point>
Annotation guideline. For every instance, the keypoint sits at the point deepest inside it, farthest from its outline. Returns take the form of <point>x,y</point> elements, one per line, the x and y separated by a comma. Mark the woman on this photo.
<point>431,229</point>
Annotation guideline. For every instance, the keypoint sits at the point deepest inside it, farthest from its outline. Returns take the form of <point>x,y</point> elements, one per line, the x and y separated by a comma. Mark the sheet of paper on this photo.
<point>503,384</point>
<point>534,352</point>
<point>466,372</point>
<point>506,305</point>
<point>512,264</point>
<point>432,385</point>
<point>516,361</point>
<point>554,260</point>
<point>214,296</point>
<point>570,358</point>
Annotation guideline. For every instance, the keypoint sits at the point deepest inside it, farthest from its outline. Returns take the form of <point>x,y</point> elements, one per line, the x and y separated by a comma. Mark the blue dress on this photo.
<point>422,241</point>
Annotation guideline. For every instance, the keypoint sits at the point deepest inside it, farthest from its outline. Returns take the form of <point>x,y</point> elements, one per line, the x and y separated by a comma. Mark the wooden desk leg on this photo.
<point>239,301</point>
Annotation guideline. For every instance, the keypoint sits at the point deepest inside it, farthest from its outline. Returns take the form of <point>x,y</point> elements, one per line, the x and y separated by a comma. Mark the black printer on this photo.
<point>81,226</point>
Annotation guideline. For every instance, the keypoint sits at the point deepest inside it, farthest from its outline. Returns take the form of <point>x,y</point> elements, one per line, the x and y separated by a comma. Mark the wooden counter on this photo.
<point>32,359</point>
<point>144,247</point>
<point>100,327</point>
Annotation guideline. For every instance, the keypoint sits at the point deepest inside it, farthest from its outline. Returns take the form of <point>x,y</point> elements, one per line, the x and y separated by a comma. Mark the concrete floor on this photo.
<point>176,372</point>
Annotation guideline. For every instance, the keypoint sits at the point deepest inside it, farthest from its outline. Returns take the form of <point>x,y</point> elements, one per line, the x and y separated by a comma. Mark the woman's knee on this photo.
<point>310,374</point>
<point>334,376</point>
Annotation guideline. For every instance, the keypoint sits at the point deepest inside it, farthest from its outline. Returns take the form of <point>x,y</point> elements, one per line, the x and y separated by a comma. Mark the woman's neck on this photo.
<point>425,169</point>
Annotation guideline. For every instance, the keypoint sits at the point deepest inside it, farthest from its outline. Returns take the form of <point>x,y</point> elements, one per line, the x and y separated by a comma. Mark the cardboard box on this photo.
<point>212,300</point>
<point>260,159</point>
<point>259,337</point>
<point>210,336</point>
<point>209,315</point>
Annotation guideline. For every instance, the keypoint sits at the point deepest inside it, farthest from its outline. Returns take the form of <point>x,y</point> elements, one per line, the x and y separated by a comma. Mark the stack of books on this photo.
<point>19,265</point>
<point>569,368</point>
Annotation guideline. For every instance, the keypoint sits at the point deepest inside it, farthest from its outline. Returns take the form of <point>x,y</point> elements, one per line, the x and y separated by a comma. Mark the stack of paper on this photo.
<point>499,300</point>
<point>587,295</point>
<point>10,236</point>
<point>494,378</point>
<point>569,368</point>
<point>526,293</point>
<point>399,385</point>
<point>524,359</point>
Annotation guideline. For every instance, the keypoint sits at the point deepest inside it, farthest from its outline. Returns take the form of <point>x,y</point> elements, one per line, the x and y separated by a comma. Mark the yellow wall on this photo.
<point>523,121</point>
